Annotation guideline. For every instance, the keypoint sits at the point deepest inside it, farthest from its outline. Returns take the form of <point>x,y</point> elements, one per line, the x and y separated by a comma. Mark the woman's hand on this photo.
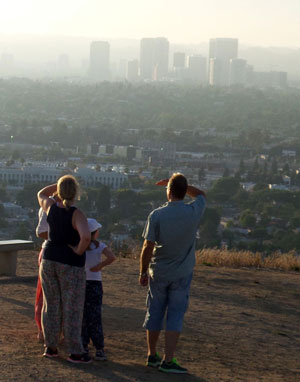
<point>75,250</point>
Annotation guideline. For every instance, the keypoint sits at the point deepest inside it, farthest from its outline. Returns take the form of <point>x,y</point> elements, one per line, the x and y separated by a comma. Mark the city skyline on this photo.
<point>265,24</point>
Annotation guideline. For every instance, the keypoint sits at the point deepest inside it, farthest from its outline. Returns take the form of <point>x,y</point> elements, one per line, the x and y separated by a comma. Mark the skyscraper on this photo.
<point>99,61</point>
<point>197,69</point>
<point>154,58</point>
<point>238,72</point>
<point>221,51</point>
<point>179,60</point>
<point>133,70</point>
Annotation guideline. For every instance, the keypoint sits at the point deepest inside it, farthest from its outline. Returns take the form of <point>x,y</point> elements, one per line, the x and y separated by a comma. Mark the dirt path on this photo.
<point>242,326</point>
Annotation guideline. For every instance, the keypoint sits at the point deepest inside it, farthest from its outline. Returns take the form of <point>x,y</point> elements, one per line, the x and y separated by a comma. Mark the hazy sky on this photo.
<point>257,22</point>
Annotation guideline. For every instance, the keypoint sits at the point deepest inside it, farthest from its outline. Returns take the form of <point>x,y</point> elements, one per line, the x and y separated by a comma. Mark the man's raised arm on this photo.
<point>193,192</point>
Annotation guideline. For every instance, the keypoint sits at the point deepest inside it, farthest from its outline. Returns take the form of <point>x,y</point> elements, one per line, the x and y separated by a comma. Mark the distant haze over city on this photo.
<point>37,37</point>
<point>255,22</point>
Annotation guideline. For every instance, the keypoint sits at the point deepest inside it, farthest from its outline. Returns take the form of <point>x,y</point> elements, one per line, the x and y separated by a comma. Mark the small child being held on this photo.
<point>92,318</point>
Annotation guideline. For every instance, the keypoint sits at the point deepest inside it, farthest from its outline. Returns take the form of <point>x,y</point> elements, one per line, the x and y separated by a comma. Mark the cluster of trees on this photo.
<point>72,113</point>
<point>272,217</point>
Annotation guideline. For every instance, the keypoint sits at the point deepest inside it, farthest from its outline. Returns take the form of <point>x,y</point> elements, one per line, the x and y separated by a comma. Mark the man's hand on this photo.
<point>162,182</point>
<point>143,280</point>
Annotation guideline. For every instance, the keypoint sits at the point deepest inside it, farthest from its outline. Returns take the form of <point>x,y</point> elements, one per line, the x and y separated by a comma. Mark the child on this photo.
<point>92,321</point>
<point>41,232</point>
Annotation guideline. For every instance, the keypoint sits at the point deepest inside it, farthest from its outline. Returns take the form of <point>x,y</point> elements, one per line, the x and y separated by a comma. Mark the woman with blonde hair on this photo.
<point>62,269</point>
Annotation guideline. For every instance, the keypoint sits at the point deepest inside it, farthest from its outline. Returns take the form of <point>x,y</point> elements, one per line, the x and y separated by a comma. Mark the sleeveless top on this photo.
<point>61,233</point>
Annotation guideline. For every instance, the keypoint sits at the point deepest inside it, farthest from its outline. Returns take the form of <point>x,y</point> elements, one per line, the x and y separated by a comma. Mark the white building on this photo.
<point>29,174</point>
<point>48,175</point>
<point>91,177</point>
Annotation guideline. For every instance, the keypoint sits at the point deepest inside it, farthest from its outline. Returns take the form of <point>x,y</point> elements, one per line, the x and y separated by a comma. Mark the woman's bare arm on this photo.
<point>80,223</point>
<point>43,197</point>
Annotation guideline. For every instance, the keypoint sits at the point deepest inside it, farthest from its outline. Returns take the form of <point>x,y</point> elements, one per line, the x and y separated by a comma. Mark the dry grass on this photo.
<point>236,259</point>
<point>230,258</point>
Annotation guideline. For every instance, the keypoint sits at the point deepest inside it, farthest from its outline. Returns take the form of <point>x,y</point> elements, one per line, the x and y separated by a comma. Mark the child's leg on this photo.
<point>38,299</point>
<point>95,314</point>
<point>85,320</point>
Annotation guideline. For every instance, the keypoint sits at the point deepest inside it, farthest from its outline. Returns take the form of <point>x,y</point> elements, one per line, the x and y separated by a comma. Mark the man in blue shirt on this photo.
<point>166,263</point>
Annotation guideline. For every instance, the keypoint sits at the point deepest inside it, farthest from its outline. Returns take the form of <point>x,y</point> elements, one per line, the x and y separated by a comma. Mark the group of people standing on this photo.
<point>70,283</point>
<point>70,275</point>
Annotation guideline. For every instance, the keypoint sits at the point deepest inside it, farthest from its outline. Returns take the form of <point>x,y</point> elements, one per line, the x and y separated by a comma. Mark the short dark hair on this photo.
<point>178,185</point>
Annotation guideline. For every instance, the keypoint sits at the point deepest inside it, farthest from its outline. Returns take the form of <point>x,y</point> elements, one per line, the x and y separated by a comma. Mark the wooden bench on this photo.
<point>9,253</point>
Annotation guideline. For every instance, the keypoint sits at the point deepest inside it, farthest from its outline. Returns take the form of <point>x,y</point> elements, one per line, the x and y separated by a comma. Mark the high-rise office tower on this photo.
<point>147,58</point>
<point>133,70</point>
<point>197,69</point>
<point>279,79</point>
<point>161,58</point>
<point>154,58</point>
<point>221,51</point>
<point>179,60</point>
<point>99,61</point>
<point>238,72</point>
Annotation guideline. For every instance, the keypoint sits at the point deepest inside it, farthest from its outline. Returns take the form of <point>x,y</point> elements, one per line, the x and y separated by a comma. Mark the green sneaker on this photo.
<point>154,360</point>
<point>172,367</point>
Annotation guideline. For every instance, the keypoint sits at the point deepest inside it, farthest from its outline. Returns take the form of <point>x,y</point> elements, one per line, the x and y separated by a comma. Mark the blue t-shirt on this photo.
<point>173,228</point>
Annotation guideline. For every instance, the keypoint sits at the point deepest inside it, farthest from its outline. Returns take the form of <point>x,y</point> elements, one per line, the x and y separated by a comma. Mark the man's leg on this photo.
<point>171,338</point>
<point>178,296</point>
<point>152,338</point>
<point>156,307</point>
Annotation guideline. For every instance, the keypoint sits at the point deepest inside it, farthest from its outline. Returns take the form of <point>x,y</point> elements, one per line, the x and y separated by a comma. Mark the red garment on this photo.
<point>38,298</point>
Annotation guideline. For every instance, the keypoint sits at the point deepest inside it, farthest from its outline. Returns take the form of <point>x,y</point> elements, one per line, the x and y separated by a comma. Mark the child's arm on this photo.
<point>110,257</point>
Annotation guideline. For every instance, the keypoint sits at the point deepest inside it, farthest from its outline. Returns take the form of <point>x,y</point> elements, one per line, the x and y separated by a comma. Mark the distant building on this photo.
<point>158,151</point>
<point>215,72</point>
<point>99,61</point>
<point>238,72</point>
<point>122,69</point>
<point>281,187</point>
<point>221,51</point>
<point>133,70</point>
<point>289,153</point>
<point>270,79</point>
<point>147,58</point>
<point>128,152</point>
<point>90,177</point>
<point>154,58</point>
<point>13,210</point>
<point>197,69</point>
<point>279,79</point>
<point>179,60</point>
<point>29,175</point>
<point>161,58</point>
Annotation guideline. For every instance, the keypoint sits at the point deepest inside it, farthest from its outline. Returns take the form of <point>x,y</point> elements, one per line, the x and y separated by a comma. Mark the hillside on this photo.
<point>242,326</point>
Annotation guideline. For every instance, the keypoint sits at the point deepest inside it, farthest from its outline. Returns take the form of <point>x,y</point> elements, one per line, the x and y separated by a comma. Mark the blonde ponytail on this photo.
<point>67,188</point>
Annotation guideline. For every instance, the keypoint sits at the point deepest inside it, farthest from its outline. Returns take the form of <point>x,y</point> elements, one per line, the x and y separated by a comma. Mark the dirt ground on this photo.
<point>242,325</point>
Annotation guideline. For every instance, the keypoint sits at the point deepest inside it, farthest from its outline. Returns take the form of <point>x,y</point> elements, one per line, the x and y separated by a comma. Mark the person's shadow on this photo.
<point>110,371</point>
